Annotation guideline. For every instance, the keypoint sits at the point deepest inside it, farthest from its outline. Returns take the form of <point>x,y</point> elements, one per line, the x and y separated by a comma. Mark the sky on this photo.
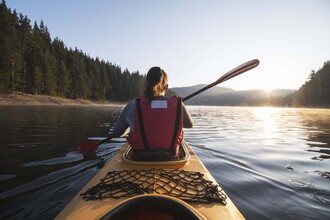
<point>195,41</point>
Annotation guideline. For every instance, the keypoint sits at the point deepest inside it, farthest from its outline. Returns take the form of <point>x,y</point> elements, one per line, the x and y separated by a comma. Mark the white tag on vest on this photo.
<point>159,104</point>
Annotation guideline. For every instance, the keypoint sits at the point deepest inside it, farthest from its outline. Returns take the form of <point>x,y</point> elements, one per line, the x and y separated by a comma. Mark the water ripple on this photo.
<point>49,179</point>
<point>323,174</point>
<point>323,197</point>
<point>301,183</point>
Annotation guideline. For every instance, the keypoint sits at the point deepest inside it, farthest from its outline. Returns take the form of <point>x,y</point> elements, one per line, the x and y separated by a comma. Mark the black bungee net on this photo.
<point>188,186</point>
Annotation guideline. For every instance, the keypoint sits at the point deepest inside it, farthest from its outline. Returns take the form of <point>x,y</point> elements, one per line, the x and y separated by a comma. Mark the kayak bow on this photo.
<point>154,200</point>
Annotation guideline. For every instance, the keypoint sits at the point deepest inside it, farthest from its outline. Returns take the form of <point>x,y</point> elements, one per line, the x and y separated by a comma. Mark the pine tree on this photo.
<point>8,49</point>
<point>50,66</point>
<point>25,41</point>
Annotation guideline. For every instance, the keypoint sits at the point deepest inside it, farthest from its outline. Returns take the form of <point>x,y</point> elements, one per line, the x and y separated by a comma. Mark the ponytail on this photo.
<point>155,82</point>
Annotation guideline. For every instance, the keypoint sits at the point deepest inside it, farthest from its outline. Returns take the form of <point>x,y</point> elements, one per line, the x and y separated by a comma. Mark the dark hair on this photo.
<point>155,82</point>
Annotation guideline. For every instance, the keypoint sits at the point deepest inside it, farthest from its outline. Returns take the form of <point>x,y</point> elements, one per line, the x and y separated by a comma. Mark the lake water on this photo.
<point>274,163</point>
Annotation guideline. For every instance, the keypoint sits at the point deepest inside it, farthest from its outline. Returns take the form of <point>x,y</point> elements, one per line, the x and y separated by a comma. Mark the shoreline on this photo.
<point>18,98</point>
<point>29,99</point>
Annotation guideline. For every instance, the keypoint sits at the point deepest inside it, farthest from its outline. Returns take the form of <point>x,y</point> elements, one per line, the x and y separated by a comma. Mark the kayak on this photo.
<point>129,189</point>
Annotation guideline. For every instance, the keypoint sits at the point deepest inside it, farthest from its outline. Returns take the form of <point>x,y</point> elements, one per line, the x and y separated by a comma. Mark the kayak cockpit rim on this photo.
<point>161,206</point>
<point>182,160</point>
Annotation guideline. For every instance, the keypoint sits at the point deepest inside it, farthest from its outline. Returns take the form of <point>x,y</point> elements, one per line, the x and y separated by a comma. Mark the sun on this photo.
<point>269,90</point>
<point>268,87</point>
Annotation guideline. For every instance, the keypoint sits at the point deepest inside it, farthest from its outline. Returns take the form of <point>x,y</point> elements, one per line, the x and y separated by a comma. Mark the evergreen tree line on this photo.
<point>31,62</point>
<point>315,92</point>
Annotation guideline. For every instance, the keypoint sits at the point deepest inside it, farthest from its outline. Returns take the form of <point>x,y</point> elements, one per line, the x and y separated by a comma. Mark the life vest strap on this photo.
<point>143,133</point>
<point>177,121</point>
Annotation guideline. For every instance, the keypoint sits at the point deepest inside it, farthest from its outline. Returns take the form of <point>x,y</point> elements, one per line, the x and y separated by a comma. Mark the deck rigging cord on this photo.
<point>188,186</point>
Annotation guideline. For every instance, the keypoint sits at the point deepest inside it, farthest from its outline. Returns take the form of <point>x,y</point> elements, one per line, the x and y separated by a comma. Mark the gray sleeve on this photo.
<point>121,124</point>
<point>126,120</point>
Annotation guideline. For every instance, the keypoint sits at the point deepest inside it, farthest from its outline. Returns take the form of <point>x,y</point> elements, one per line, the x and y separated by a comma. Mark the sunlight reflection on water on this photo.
<point>258,148</point>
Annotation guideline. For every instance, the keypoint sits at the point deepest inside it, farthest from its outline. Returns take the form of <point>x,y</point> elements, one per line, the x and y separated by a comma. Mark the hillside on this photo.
<point>225,96</point>
<point>184,91</point>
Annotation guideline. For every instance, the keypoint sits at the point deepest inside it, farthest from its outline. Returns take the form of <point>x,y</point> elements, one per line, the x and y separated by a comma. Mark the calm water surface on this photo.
<point>274,163</point>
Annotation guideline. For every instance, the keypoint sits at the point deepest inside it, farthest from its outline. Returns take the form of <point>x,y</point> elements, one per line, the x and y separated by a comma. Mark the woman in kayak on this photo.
<point>155,121</point>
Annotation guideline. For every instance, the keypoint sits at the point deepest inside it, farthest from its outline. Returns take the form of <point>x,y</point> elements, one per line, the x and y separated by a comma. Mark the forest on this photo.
<point>31,62</point>
<point>315,92</point>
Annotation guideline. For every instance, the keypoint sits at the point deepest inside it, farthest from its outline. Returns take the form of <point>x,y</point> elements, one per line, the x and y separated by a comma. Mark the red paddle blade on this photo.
<point>88,146</point>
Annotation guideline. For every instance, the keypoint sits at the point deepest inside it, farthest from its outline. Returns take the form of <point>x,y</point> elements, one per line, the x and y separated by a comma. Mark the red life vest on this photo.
<point>157,124</point>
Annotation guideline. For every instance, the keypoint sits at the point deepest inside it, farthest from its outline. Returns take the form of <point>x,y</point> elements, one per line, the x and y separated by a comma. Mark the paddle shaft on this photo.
<point>105,140</point>
<point>232,73</point>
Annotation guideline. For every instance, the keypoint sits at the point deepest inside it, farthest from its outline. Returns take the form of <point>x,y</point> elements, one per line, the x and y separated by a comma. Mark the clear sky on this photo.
<point>195,41</point>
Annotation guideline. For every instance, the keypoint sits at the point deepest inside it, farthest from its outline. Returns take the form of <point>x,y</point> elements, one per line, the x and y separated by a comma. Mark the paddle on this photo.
<point>232,73</point>
<point>93,145</point>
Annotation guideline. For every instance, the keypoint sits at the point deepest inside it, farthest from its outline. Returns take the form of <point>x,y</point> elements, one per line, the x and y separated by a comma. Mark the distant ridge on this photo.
<point>184,91</point>
<point>226,96</point>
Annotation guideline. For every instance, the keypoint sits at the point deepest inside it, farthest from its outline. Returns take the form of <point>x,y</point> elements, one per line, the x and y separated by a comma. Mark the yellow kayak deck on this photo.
<point>79,208</point>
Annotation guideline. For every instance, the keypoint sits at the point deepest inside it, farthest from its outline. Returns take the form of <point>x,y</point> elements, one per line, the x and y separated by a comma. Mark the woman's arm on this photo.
<point>120,126</point>
<point>126,120</point>
<point>187,119</point>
